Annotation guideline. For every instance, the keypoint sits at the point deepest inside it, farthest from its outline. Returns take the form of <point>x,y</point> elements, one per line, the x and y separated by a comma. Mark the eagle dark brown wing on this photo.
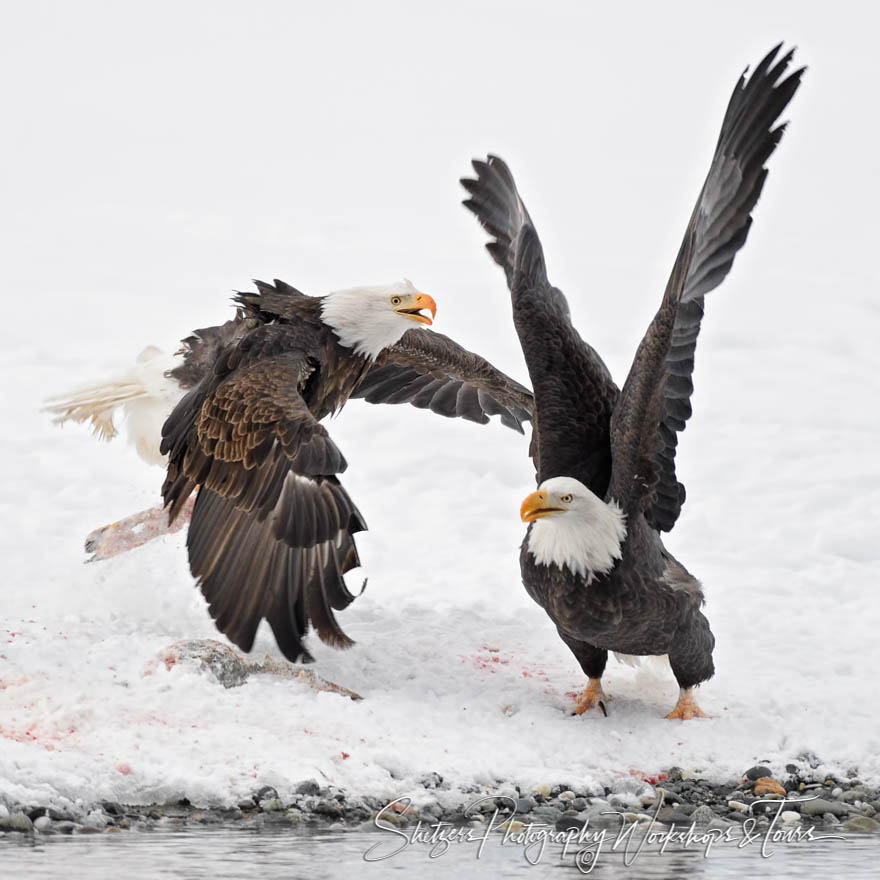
<point>430,371</point>
<point>272,528</point>
<point>655,402</point>
<point>574,391</point>
<point>286,566</point>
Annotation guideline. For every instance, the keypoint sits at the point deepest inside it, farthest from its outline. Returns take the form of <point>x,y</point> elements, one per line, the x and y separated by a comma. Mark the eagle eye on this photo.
<point>396,300</point>
<point>566,499</point>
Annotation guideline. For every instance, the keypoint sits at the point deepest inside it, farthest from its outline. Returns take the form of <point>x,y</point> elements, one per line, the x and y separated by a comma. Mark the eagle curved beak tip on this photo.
<point>424,301</point>
<point>413,312</point>
<point>532,506</point>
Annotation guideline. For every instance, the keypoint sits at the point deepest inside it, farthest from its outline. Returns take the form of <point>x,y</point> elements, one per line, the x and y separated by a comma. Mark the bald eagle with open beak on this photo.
<point>592,555</point>
<point>272,529</point>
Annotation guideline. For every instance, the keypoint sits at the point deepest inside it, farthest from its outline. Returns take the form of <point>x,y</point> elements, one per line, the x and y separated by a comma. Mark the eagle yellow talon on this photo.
<point>686,708</point>
<point>592,697</point>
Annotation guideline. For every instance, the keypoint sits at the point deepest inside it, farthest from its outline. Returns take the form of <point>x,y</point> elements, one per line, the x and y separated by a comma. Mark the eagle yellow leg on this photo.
<point>592,696</point>
<point>686,708</point>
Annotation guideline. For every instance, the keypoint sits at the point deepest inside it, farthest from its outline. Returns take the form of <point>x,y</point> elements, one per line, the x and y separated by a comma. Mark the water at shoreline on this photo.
<point>229,852</point>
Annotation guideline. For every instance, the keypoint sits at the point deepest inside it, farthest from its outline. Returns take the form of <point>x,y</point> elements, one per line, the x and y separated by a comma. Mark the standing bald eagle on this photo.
<point>272,530</point>
<point>592,555</point>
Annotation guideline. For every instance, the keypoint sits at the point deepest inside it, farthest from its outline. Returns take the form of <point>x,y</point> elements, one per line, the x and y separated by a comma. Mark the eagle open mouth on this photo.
<point>415,315</point>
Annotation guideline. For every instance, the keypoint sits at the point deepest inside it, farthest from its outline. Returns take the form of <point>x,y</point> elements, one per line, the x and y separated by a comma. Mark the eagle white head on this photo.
<point>573,527</point>
<point>369,319</point>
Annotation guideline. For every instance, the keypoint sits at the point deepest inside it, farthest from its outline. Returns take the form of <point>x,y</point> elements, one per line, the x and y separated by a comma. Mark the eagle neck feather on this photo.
<point>361,319</point>
<point>587,542</point>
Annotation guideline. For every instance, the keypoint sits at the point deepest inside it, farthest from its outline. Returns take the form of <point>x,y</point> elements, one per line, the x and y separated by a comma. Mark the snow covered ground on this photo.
<point>156,160</point>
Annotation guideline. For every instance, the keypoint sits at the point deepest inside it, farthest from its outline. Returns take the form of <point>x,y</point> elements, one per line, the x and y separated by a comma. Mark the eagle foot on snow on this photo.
<point>592,697</point>
<point>686,708</point>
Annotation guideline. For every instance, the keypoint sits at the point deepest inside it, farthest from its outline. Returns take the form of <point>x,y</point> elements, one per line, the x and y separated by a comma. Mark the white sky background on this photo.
<point>158,156</point>
<point>173,151</point>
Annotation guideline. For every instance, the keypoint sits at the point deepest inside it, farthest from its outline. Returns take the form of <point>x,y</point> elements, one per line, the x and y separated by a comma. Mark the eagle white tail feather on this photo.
<point>661,660</point>
<point>143,393</point>
<point>94,403</point>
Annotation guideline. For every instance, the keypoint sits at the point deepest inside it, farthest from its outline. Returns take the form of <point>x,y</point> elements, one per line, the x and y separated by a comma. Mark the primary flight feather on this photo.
<point>272,529</point>
<point>592,556</point>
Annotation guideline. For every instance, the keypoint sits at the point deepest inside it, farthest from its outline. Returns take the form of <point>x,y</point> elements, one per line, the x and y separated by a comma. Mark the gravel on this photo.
<point>862,824</point>
<point>820,806</point>
<point>702,816</point>
<point>677,797</point>
<point>16,822</point>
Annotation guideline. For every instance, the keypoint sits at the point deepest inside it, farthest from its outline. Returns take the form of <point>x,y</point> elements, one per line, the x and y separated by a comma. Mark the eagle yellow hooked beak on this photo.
<point>538,505</point>
<point>411,305</point>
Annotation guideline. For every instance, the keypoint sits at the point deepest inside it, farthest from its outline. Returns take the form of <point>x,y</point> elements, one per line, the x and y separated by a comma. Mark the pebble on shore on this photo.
<point>672,798</point>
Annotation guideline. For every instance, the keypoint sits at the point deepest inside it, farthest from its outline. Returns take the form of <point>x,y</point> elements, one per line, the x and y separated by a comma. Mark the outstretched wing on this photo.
<point>430,371</point>
<point>574,392</point>
<point>271,531</point>
<point>655,402</point>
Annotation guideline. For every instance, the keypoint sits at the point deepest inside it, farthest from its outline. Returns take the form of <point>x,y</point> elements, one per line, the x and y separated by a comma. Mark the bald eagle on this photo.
<point>272,528</point>
<point>592,556</point>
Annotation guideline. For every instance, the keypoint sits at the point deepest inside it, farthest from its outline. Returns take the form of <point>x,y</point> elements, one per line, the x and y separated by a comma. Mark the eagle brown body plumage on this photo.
<point>606,457</point>
<point>272,531</point>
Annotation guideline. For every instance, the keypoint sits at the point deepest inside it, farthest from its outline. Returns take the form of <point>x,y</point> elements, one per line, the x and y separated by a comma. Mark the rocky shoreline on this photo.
<point>671,798</point>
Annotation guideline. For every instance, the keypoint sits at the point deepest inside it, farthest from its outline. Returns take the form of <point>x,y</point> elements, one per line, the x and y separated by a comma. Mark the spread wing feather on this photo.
<point>574,391</point>
<point>271,531</point>
<point>284,570</point>
<point>655,402</point>
<point>430,371</point>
